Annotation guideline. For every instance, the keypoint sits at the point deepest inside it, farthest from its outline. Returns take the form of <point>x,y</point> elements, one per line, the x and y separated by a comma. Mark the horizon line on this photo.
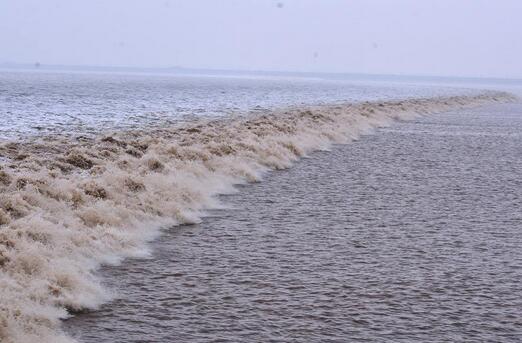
<point>194,70</point>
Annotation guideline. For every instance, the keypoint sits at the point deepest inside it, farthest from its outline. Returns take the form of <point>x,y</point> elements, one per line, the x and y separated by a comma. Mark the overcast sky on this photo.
<point>437,37</point>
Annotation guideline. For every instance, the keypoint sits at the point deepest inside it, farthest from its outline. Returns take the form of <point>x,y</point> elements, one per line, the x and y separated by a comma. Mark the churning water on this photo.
<point>43,102</point>
<point>410,234</point>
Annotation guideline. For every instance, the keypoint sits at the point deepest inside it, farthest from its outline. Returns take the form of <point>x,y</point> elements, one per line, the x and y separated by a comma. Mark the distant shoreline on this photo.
<point>177,70</point>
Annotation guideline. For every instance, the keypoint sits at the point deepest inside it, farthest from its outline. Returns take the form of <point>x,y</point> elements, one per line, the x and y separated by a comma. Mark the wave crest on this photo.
<point>69,205</point>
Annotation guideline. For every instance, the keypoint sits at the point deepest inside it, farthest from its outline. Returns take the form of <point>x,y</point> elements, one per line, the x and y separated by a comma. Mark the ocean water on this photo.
<point>286,209</point>
<point>412,234</point>
<point>36,103</point>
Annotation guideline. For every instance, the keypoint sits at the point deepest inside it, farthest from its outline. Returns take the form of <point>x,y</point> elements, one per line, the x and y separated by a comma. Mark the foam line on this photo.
<point>69,205</point>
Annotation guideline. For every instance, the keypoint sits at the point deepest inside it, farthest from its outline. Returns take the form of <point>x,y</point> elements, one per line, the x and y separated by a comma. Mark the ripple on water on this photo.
<point>399,237</point>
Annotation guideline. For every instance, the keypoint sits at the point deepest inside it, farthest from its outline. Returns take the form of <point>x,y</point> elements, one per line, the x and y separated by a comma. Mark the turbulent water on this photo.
<point>36,103</point>
<point>409,235</point>
<point>71,203</point>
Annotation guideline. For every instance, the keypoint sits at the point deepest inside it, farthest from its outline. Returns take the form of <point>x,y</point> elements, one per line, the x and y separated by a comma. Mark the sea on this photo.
<point>157,207</point>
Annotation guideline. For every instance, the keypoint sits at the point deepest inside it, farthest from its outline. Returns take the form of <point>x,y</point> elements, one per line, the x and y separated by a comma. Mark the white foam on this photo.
<point>66,207</point>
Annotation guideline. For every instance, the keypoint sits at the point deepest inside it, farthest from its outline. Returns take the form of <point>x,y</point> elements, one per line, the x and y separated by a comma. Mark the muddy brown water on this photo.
<point>411,234</point>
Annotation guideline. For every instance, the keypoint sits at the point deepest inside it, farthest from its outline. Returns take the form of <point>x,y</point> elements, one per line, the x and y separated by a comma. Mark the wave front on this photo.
<point>68,205</point>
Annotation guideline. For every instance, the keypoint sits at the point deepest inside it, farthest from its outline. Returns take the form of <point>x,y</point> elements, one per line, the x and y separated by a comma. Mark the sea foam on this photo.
<point>69,205</point>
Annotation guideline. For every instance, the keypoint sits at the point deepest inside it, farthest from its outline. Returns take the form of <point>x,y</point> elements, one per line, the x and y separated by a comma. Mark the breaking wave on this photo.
<point>68,205</point>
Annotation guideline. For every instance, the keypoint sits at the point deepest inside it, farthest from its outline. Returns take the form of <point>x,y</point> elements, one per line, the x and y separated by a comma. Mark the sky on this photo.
<point>481,38</point>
